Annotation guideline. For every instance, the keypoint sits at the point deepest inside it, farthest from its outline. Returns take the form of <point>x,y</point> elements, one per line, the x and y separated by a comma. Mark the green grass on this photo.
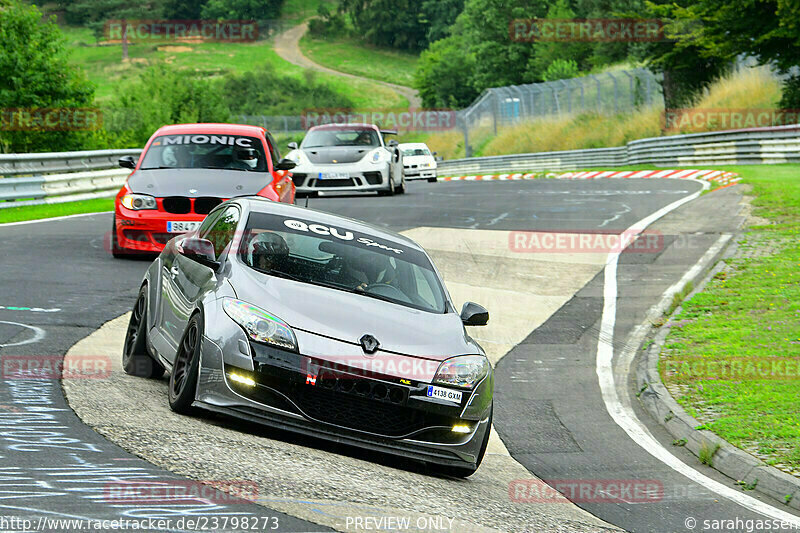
<point>104,67</point>
<point>751,311</point>
<point>36,212</point>
<point>352,57</point>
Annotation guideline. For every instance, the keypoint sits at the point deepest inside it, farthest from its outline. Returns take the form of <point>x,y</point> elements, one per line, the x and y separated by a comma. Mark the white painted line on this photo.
<point>623,413</point>
<point>38,334</point>
<point>53,219</point>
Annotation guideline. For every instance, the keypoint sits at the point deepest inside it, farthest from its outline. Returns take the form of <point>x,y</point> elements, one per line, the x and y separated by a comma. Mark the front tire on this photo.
<point>116,251</point>
<point>136,361</point>
<point>402,188</point>
<point>185,369</point>
<point>390,191</point>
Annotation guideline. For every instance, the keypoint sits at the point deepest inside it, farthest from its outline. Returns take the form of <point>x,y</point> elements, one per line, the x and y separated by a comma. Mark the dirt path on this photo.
<point>287,45</point>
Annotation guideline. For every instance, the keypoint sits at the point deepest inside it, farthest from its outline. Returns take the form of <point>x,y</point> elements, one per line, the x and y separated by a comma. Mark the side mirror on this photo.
<point>285,164</point>
<point>127,161</point>
<point>292,145</point>
<point>199,250</point>
<point>473,314</point>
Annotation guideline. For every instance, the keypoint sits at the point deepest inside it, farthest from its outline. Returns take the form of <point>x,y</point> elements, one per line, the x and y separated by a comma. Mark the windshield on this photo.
<point>206,151</point>
<point>355,137</point>
<point>409,152</point>
<point>341,259</point>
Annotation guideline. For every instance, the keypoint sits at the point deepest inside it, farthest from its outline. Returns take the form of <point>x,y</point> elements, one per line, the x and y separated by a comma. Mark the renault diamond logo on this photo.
<point>335,161</point>
<point>369,343</point>
<point>192,191</point>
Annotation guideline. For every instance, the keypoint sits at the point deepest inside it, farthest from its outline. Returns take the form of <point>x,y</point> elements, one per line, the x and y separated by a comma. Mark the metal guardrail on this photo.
<point>78,176</point>
<point>780,144</point>
<point>48,163</point>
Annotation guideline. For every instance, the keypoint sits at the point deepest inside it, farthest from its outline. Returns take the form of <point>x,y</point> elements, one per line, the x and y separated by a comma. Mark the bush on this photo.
<point>561,69</point>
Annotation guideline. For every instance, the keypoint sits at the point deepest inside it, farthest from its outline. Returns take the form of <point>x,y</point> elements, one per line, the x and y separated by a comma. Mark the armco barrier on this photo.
<point>779,144</point>
<point>79,176</point>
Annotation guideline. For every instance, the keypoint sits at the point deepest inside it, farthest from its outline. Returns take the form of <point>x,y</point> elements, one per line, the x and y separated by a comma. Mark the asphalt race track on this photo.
<point>59,285</point>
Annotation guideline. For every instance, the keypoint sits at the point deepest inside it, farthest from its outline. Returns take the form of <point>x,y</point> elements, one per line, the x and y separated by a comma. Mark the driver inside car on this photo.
<point>243,159</point>
<point>268,251</point>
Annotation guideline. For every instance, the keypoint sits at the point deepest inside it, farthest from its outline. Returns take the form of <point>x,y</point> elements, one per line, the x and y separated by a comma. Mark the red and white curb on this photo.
<point>718,176</point>
<point>489,177</point>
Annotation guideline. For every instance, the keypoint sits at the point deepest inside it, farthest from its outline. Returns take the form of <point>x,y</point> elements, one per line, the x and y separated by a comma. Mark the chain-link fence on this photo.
<point>607,93</point>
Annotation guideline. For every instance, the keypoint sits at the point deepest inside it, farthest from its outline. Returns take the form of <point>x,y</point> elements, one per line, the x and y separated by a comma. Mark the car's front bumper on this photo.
<point>420,173</point>
<point>309,396</point>
<point>360,177</point>
<point>145,231</point>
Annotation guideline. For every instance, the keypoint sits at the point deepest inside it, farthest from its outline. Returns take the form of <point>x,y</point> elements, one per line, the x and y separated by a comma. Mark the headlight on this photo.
<point>260,325</point>
<point>464,371</point>
<point>378,156</point>
<point>138,202</point>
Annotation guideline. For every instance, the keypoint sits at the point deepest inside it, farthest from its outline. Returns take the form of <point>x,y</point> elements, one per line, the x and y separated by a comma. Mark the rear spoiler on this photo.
<point>388,132</point>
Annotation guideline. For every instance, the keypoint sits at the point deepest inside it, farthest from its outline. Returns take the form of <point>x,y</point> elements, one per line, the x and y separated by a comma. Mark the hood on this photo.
<point>207,182</point>
<point>337,154</point>
<point>347,317</point>
<point>418,159</point>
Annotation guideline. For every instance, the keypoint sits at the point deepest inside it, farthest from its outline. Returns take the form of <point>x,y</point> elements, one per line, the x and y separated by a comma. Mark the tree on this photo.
<point>438,16</point>
<point>392,23</point>
<point>546,53</point>
<point>242,9</point>
<point>687,68</point>
<point>442,76</point>
<point>183,9</point>
<point>768,30</point>
<point>36,74</point>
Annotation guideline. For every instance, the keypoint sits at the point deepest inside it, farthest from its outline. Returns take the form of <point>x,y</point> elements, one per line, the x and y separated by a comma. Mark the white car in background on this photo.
<point>347,158</point>
<point>418,161</point>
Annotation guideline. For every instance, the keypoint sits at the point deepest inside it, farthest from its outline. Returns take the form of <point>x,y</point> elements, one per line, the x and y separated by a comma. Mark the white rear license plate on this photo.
<point>334,176</point>
<point>447,395</point>
<point>182,227</point>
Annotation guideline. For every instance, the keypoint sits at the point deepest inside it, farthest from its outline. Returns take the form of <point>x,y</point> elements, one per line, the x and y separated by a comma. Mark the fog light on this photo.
<point>244,380</point>
<point>461,428</point>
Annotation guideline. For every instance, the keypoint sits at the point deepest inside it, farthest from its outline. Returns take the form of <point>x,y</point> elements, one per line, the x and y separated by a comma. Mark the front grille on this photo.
<point>298,178</point>
<point>204,205</point>
<point>373,178</point>
<point>360,413</point>
<point>334,183</point>
<point>179,205</point>
<point>365,388</point>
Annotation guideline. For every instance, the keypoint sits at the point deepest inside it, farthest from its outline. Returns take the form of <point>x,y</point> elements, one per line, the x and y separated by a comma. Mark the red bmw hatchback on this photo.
<point>185,171</point>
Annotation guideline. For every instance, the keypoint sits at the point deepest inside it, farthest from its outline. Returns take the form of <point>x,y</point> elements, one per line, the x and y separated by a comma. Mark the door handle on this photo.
<point>174,271</point>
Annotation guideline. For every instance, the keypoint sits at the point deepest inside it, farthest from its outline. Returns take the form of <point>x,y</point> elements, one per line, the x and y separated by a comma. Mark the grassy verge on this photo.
<point>751,310</point>
<point>36,212</point>
<point>352,57</point>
